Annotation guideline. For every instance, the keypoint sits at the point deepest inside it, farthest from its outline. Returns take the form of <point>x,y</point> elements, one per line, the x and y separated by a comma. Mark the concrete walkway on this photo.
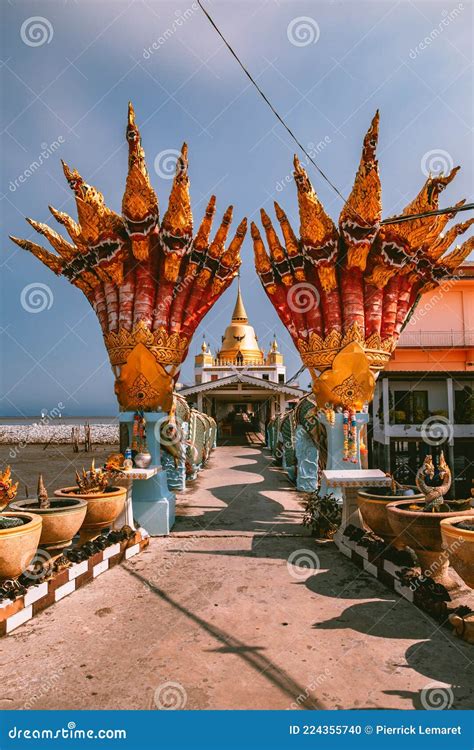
<point>216,611</point>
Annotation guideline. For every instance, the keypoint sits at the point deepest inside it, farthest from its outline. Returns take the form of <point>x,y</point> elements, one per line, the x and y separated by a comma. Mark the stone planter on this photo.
<point>373,509</point>
<point>60,522</point>
<point>102,509</point>
<point>18,544</point>
<point>459,544</point>
<point>422,533</point>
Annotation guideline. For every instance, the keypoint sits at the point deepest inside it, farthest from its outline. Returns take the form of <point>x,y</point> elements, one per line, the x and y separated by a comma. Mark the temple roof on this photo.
<point>249,380</point>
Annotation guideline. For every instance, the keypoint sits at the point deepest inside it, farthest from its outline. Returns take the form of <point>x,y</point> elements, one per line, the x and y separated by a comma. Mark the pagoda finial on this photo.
<point>239,313</point>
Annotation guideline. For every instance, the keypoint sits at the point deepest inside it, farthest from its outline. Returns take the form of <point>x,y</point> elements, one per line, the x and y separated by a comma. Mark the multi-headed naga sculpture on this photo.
<point>149,282</point>
<point>345,293</point>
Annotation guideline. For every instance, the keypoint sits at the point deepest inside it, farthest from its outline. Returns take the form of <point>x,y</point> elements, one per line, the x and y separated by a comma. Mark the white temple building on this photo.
<point>240,385</point>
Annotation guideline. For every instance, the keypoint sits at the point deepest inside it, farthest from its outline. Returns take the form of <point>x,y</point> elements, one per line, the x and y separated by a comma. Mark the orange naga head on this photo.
<point>345,291</point>
<point>150,282</point>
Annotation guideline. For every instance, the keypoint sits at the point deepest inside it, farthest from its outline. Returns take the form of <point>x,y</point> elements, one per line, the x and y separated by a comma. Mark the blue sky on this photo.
<point>327,66</point>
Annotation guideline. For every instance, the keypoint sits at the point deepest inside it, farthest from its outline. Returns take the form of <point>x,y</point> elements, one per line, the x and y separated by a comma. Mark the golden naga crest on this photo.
<point>319,353</point>
<point>354,284</point>
<point>167,348</point>
<point>349,381</point>
<point>149,281</point>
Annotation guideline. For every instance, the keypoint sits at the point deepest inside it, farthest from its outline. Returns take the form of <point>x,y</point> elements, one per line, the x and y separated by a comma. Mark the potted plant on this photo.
<point>8,490</point>
<point>19,532</point>
<point>322,514</point>
<point>373,508</point>
<point>19,536</point>
<point>104,501</point>
<point>457,534</point>
<point>62,517</point>
<point>420,529</point>
<point>418,524</point>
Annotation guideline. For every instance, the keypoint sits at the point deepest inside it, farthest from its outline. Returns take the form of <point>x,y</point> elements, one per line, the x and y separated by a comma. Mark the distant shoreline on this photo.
<point>58,431</point>
<point>68,420</point>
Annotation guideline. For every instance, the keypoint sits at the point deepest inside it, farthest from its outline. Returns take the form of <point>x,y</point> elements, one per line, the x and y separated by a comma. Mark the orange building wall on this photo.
<point>448,308</point>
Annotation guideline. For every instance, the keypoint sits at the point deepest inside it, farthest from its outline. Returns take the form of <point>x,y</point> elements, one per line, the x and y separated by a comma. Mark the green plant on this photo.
<point>419,415</point>
<point>322,514</point>
<point>399,416</point>
<point>439,413</point>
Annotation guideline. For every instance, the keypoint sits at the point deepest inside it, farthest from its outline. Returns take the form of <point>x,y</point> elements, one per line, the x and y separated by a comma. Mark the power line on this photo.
<point>392,220</point>
<point>296,375</point>
<point>267,100</point>
<point>438,212</point>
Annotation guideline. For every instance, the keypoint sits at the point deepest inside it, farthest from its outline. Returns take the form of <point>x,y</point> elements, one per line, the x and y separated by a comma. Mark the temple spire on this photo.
<point>239,313</point>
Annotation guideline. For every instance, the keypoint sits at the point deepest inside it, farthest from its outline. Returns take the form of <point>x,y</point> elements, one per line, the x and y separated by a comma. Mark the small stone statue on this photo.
<point>42,494</point>
<point>434,495</point>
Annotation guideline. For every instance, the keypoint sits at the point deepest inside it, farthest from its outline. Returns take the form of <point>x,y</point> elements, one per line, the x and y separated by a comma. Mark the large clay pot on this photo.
<point>102,509</point>
<point>18,544</point>
<point>373,509</point>
<point>459,544</point>
<point>422,533</point>
<point>61,521</point>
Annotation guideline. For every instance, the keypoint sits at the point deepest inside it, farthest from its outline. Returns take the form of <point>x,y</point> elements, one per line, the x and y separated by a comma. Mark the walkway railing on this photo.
<point>432,339</point>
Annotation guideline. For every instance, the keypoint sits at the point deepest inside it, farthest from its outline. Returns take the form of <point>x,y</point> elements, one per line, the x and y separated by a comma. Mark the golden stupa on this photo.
<point>239,343</point>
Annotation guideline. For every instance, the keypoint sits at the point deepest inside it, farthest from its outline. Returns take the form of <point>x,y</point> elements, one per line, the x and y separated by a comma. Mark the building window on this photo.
<point>265,376</point>
<point>464,406</point>
<point>214,377</point>
<point>410,407</point>
<point>281,377</point>
<point>406,457</point>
